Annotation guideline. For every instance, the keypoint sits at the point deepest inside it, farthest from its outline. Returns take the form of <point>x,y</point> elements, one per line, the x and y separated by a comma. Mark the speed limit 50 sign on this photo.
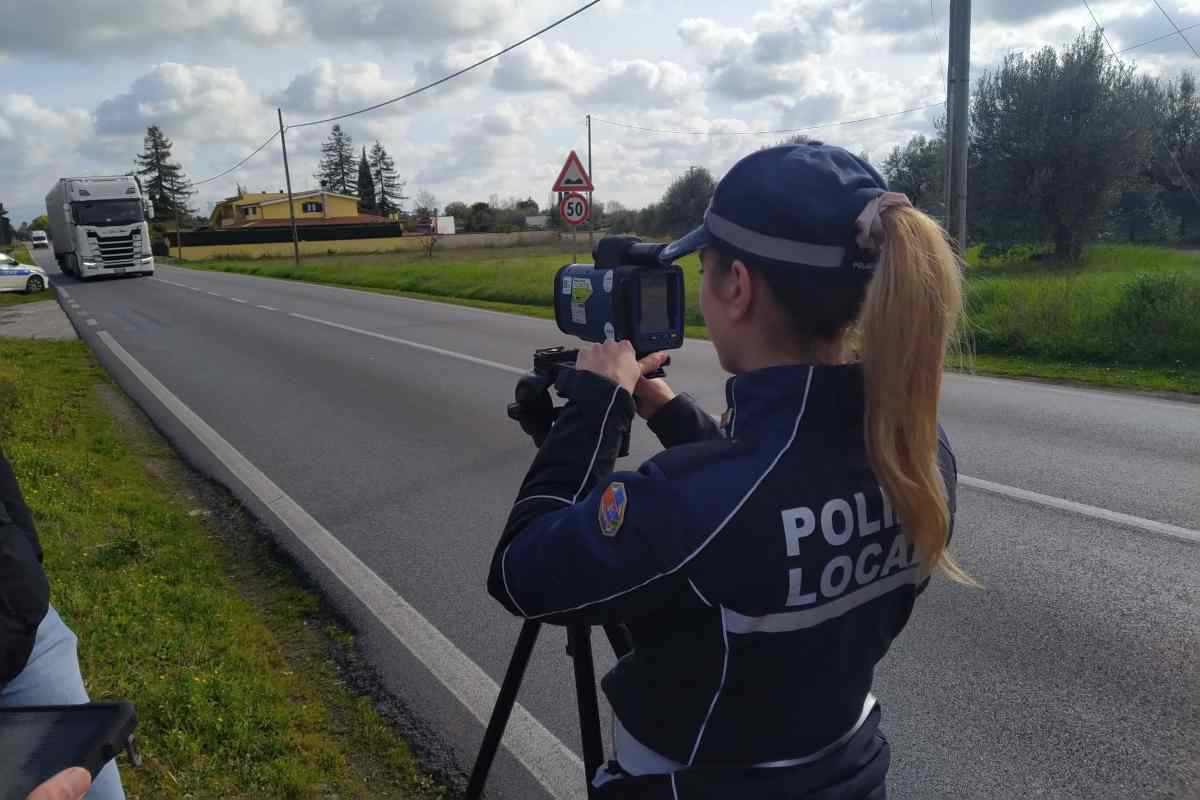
<point>574,208</point>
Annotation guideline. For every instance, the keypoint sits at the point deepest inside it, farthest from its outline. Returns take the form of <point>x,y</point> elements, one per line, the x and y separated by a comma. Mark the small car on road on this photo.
<point>18,277</point>
<point>40,240</point>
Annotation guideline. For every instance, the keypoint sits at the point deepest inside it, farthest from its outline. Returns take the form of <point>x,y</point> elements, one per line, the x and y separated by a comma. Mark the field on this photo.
<point>230,662</point>
<point>1125,317</point>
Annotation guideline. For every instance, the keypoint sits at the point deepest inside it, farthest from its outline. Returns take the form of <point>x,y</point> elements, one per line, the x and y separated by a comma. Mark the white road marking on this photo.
<point>542,753</point>
<point>91,322</point>
<point>266,308</point>
<point>214,294</point>
<point>1095,512</point>
<point>1011,492</point>
<point>415,345</point>
<point>237,300</point>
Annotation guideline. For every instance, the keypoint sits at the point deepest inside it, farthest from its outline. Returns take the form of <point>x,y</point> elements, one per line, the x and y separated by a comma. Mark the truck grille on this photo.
<point>117,251</point>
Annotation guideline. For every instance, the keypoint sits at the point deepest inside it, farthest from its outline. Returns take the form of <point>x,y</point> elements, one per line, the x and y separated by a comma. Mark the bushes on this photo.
<point>1103,317</point>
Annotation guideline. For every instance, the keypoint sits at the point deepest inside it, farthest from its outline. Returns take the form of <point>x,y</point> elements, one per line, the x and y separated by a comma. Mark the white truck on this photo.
<point>98,226</point>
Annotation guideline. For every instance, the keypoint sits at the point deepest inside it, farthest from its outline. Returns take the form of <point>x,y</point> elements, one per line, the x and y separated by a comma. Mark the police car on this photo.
<point>18,277</point>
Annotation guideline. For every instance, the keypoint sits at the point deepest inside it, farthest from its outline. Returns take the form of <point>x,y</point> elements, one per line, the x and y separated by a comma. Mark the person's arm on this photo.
<point>683,421</point>
<point>24,589</point>
<point>578,550</point>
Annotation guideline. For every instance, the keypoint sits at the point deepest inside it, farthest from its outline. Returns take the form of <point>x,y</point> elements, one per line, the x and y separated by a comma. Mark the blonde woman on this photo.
<point>763,566</point>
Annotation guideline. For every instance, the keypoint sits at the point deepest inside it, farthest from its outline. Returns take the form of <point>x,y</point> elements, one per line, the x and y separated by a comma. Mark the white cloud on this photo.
<point>63,28</point>
<point>644,85</point>
<point>39,144</point>
<point>212,103</point>
<point>540,67</point>
<point>330,88</point>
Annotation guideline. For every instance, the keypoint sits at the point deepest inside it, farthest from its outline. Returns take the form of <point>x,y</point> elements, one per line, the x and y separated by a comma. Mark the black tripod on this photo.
<point>579,648</point>
<point>534,409</point>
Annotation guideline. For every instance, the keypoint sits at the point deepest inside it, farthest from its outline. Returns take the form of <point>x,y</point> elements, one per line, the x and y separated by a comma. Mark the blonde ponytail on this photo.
<point>910,315</point>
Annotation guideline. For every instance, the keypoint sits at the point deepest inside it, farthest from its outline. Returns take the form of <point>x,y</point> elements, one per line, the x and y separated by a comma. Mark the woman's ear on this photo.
<point>739,291</point>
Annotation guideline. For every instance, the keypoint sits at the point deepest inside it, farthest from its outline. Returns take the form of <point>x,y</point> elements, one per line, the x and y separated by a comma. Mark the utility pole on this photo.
<point>592,216</point>
<point>958,93</point>
<point>287,174</point>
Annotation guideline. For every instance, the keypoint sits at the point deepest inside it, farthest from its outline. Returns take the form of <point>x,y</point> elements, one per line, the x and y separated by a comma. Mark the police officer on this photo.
<point>764,566</point>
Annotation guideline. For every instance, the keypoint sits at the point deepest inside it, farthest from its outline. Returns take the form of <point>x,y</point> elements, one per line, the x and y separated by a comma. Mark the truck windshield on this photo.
<point>108,212</point>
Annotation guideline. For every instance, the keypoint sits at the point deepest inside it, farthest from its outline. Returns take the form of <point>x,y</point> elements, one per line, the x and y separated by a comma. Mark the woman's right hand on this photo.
<point>652,394</point>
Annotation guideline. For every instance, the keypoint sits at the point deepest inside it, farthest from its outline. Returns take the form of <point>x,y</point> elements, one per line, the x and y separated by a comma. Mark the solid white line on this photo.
<point>1147,525</point>
<point>214,294</point>
<point>91,322</point>
<point>266,308</point>
<point>550,761</point>
<point>237,300</point>
<point>415,345</point>
<point>1012,492</point>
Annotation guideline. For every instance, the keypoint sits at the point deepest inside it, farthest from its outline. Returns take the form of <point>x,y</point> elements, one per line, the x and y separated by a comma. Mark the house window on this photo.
<point>312,208</point>
<point>249,211</point>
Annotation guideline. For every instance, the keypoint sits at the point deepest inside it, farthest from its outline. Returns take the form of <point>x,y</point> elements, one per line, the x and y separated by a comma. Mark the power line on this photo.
<point>1176,27</point>
<point>451,76</point>
<point>1101,27</point>
<point>781,130</point>
<point>1186,181</point>
<point>1159,38</point>
<point>257,150</point>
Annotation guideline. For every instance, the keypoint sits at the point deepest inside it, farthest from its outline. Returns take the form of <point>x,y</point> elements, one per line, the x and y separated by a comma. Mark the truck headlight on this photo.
<point>89,263</point>
<point>147,258</point>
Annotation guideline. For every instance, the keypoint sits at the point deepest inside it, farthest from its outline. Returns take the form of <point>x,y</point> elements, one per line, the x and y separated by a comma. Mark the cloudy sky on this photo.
<point>80,80</point>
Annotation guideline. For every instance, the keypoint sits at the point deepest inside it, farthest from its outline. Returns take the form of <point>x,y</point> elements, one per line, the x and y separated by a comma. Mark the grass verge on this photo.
<point>232,665</point>
<point>1124,318</point>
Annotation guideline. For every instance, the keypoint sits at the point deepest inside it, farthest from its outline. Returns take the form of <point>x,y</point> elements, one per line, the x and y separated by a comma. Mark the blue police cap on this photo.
<point>792,208</point>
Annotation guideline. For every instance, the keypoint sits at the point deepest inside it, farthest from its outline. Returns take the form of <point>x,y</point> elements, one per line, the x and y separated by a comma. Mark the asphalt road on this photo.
<point>1072,673</point>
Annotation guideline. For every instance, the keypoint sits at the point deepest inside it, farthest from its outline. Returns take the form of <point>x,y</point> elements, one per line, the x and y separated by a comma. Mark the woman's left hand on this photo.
<point>613,360</point>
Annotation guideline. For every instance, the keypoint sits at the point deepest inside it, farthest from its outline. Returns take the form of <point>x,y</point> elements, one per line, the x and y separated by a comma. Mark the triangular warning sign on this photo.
<point>574,177</point>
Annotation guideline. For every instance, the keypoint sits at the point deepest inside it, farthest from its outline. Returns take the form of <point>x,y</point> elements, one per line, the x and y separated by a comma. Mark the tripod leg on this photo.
<point>580,643</point>
<point>503,710</point>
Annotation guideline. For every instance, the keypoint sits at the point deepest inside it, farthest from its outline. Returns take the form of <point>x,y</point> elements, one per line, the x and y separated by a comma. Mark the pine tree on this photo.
<point>164,182</point>
<point>336,170</point>
<point>366,186</point>
<point>387,186</point>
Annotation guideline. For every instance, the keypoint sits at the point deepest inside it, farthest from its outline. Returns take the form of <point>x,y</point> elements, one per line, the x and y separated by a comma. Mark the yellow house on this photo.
<point>271,208</point>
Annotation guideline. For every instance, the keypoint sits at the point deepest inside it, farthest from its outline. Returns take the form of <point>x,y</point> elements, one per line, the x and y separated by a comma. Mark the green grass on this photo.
<point>1124,317</point>
<point>1122,307</point>
<point>20,252</point>
<point>235,690</point>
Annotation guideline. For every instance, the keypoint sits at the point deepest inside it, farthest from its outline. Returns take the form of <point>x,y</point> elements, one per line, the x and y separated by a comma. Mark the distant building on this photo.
<point>265,209</point>
<point>537,223</point>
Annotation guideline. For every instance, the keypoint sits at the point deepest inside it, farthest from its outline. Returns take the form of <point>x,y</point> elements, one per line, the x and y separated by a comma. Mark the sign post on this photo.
<point>573,207</point>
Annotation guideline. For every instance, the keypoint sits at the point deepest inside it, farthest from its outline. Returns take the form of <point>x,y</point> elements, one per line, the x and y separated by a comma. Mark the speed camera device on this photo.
<point>627,294</point>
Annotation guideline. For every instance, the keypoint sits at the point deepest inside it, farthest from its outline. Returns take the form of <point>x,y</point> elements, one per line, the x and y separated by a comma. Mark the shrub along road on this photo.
<point>356,406</point>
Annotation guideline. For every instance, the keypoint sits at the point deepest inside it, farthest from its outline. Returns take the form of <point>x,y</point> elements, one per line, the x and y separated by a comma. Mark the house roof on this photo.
<point>311,193</point>
<point>361,219</point>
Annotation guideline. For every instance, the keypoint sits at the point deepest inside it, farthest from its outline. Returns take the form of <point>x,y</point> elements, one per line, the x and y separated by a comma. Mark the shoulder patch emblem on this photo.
<point>612,508</point>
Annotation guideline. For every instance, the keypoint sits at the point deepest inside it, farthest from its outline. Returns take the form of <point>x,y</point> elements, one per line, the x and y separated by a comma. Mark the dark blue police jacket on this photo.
<point>757,565</point>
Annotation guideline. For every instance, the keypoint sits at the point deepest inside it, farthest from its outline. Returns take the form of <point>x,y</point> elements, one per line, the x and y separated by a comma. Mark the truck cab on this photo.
<point>98,226</point>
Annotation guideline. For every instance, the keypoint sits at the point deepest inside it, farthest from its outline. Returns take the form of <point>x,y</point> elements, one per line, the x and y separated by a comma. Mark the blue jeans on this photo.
<point>51,678</point>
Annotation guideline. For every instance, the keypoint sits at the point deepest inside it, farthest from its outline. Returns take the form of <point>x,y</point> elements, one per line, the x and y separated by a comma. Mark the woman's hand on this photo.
<point>70,784</point>
<point>613,360</point>
<point>652,394</point>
